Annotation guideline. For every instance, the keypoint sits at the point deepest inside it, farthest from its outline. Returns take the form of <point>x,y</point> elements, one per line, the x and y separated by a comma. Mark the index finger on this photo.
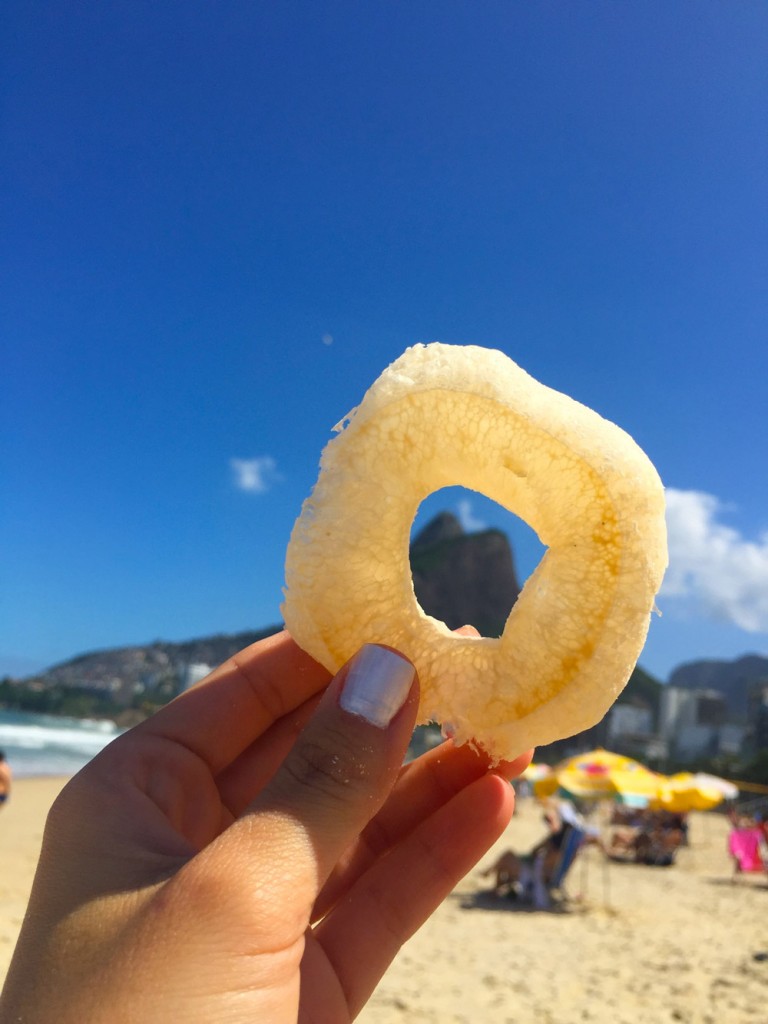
<point>220,717</point>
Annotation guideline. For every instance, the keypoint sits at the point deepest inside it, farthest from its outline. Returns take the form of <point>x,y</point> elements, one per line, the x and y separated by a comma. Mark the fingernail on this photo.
<point>377,684</point>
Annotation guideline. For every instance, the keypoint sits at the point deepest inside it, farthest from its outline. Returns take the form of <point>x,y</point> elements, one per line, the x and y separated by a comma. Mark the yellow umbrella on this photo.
<point>684,792</point>
<point>638,787</point>
<point>546,786</point>
<point>598,774</point>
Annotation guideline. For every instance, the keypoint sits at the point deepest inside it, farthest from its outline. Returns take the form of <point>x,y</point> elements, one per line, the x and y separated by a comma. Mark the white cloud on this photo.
<point>467,517</point>
<point>255,475</point>
<point>712,567</point>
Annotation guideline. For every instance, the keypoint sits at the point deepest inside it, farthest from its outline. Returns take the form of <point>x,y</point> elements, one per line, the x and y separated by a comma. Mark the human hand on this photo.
<point>253,852</point>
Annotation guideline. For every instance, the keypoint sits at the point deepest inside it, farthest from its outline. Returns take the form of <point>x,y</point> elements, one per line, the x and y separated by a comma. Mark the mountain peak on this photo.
<point>464,578</point>
<point>445,526</point>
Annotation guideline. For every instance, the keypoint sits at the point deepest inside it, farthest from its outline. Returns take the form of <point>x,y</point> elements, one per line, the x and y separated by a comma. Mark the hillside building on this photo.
<point>629,723</point>
<point>757,714</point>
<point>193,673</point>
<point>691,721</point>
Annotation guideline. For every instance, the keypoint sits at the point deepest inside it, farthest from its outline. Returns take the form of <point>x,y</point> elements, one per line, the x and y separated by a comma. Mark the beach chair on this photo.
<point>534,886</point>
<point>572,843</point>
<point>746,846</point>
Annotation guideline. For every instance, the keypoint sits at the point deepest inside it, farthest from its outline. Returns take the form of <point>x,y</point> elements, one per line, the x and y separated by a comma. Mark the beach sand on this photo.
<point>634,945</point>
<point>22,820</point>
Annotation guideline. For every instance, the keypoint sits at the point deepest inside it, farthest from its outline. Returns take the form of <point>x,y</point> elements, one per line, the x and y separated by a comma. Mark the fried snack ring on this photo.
<point>443,415</point>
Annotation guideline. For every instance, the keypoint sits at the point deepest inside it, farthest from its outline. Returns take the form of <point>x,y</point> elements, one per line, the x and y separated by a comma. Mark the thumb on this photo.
<point>335,778</point>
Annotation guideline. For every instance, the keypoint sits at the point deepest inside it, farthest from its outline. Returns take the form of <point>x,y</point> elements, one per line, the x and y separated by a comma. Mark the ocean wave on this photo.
<point>46,745</point>
<point>35,737</point>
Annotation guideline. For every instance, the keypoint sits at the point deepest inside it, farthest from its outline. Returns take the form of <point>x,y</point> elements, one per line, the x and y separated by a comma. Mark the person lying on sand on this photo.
<point>252,852</point>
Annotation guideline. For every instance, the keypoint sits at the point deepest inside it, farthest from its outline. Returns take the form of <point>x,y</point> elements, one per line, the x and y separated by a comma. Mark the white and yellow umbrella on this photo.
<point>536,771</point>
<point>686,792</point>
<point>600,774</point>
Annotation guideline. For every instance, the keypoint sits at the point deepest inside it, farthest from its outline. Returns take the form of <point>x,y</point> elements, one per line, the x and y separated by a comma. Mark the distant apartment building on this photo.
<point>693,723</point>
<point>733,739</point>
<point>193,673</point>
<point>757,714</point>
<point>629,723</point>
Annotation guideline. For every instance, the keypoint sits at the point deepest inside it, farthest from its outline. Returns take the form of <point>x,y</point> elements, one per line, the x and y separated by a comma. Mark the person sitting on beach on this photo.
<point>622,844</point>
<point>511,867</point>
<point>6,778</point>
<point>654,842</point>
<point>657,844</point>
<point>746,846</point>
<point>255,851</point>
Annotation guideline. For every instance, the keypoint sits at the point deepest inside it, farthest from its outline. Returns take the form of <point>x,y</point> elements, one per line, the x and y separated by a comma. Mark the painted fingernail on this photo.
<point>377,684</point>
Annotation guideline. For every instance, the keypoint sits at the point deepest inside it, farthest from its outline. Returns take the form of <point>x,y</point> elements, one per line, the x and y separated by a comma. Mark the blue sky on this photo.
<point>221,221</point>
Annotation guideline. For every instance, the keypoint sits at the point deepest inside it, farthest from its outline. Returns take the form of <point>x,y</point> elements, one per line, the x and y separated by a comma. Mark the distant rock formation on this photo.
<point>444,527</point>
<point>464,578</point>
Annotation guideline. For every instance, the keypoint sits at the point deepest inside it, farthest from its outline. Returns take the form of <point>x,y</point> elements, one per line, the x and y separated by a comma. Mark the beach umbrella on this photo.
<point>684,792</point>
<point>535,771</point>
<point>545,786</point>
<point>600,774</point>
<point>636,788</point>
<point>729,789</point>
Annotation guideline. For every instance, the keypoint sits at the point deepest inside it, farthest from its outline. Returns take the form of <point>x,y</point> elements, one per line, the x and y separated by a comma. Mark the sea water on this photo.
<point>49,745</point>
